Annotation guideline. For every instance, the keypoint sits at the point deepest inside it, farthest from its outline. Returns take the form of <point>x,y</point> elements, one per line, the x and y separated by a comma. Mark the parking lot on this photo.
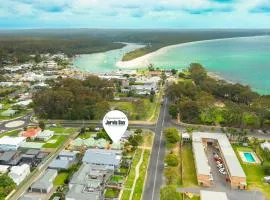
<point>219,179</point>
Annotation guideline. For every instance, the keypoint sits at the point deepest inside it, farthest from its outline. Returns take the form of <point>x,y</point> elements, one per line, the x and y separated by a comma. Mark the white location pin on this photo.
<point>115,124</point>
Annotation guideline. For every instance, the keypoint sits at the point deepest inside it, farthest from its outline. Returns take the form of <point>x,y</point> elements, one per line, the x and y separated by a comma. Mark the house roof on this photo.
<point>31,132</point>
<point>7,156</point>
<point>102,157</point>
<point>59,164</point>
<point>32,152</point>
<point>231,160</point>
<point>207,195</point>
<point>6,140</point>
<point>45,181</point>
<point>46,133</point>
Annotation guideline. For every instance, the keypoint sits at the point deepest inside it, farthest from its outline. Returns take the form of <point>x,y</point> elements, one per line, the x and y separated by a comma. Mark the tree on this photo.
<point>189,111</point>
<point>170,174</point>
<point>6,185</point>
<point>171,160</point>
<point>169,192</point>
<point>42,125</point>
<point>173,111</point>
<point>138,131</point>
<point>135,140</point>
<point>251,120</point>
<point>197,73</point>
<point>171,135</point>
<point>266,168</point>
<point>174,71</point>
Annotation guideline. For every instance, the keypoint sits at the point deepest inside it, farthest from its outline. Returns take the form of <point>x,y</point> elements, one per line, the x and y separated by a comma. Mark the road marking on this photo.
<point>160,137</point>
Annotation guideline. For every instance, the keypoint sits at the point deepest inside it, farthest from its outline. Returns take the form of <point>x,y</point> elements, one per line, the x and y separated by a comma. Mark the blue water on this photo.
<point>249,157</point>
<point>244,60</point>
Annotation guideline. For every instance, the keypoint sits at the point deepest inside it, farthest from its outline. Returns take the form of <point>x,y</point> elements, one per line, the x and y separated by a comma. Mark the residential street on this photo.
<point>155,170</point>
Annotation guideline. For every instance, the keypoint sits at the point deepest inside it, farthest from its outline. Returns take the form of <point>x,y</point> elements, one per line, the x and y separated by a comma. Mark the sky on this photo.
<point>17,14</point>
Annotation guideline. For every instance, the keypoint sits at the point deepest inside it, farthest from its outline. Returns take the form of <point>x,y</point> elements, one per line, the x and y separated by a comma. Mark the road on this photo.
<point>155,170</point>
<point>26,119</point>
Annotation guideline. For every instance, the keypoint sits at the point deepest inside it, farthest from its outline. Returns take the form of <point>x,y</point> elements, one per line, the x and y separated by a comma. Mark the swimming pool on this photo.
<point>249,157</point>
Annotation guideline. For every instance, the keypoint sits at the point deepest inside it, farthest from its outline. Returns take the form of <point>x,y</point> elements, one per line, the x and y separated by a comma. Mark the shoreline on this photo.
<point>144,61</point>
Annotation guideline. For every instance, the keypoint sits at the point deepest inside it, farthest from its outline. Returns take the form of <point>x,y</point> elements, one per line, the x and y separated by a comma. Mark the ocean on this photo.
<point>245,60</point>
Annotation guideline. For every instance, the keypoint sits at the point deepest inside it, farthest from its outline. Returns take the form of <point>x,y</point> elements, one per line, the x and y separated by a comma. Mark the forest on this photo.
<point>74,99</point>
<point>201,99</point>
<point>16,46</point>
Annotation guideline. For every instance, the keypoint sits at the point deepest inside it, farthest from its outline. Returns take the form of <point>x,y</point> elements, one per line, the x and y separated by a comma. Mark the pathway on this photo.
<point>137,174</point>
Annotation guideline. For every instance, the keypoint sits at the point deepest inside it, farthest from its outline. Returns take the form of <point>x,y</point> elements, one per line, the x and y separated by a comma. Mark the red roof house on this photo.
<point>31,133</point>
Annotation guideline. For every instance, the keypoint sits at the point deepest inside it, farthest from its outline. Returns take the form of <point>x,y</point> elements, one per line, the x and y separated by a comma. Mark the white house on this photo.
<point>19,173</point>
<point>265,145</point>
<point>1,106</point>
<point>24,103</point>
<point>45,135</point>
<point>11,143</point>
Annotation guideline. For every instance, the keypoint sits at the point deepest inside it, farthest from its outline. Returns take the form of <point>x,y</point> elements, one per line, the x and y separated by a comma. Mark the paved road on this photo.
<point>155,170</point>
<point>25,119</point>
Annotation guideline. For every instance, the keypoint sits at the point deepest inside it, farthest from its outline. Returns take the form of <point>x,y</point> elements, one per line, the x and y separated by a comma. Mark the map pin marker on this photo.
<point>115,124</point>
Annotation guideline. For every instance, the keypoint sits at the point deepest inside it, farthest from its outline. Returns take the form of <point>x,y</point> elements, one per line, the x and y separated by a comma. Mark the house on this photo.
<point>266,145</point>
<point>10,158</point>
<point>11,143</point>
<point>19,173</point>
<point>24,103</point>
<point>45,135</point>
<point>1,106</point>
<point>110,158</point>
<point>88,183</point>
<point>207,195</point>
<point>45,183</point>
<point>155,73</point>
<point>126,135</point>
<point>64,160</point>
<point>9,113</point>
<point>266,179</point>
<point>4,169</point>
<point>185,137</point>
<point>31,133</point>
<point>200,142</point>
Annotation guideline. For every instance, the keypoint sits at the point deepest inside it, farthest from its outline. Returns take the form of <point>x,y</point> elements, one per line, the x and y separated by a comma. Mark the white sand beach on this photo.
<point>145,60</point>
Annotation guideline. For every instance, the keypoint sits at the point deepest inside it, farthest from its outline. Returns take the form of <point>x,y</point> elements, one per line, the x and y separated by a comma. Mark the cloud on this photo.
<point>262,8</point>
<point>171,13</point>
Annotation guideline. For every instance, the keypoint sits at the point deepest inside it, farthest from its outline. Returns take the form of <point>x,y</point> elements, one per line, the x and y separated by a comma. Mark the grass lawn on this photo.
<point>176,150</point>
<point>111,193</point>
<point>254,173</point>
<point>59,140</point>
<point>60,179</point>
<point>125,195</point>
<point>86,135</point>
<point>62,130</point>
<point>148,138</point>
<point>135,110</point>
<point>129,181</point>
<point>138,191</point>
<point>189,178</point>
<point>11,133</point>
<point>18,114</point>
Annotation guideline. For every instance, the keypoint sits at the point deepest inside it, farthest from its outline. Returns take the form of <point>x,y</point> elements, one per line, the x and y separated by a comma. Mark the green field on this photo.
<point>86,135</point>
<point>61,178</point>
<point>11,133</point>
<point>138,191</point>
<point>142,110</point>
<point>63,130</point>
<point>189,172</point>
<point>254,173</point>
<point>59,140</point>
<point>129,181</point>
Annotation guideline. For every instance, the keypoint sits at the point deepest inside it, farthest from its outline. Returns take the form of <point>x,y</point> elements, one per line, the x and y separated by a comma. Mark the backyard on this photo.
<point>253,172</point>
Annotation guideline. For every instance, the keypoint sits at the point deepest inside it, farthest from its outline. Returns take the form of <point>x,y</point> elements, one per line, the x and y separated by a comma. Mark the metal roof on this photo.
<point>201,160</point>
<point>46,181</point>
<point>207,195</point>
<point>59,164</point>
<point>7,156</point>
<point>233,164</point>
<point>101,157</point>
